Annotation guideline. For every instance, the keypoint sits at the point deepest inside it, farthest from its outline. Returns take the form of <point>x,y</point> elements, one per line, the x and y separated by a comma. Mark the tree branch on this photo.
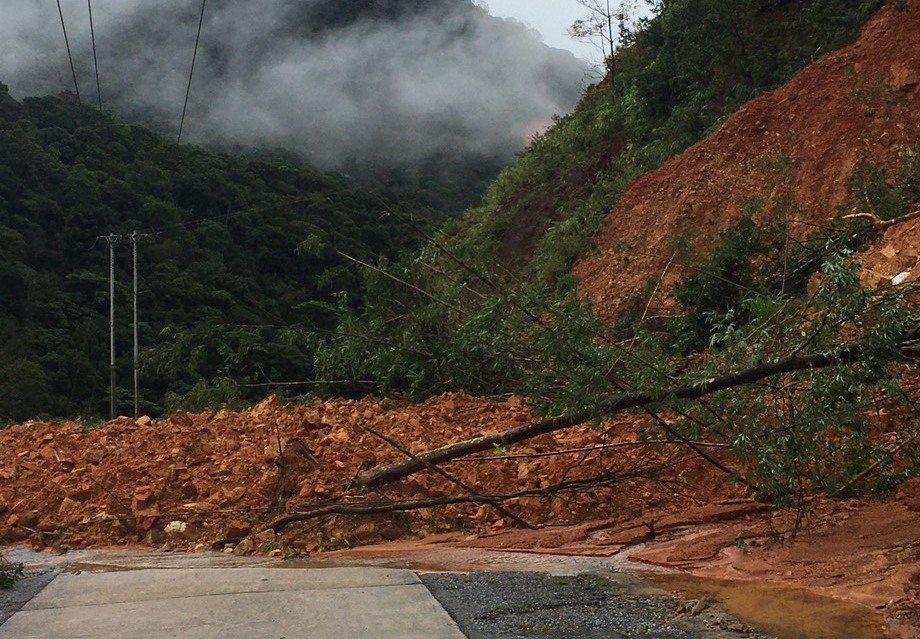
<point>846,355</point>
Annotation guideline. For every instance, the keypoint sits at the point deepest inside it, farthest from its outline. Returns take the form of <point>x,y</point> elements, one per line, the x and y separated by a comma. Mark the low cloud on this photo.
<point>445,76</point>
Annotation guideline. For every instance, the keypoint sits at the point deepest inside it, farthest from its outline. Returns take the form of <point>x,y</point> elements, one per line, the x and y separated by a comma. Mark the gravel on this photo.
<point>517,605</point>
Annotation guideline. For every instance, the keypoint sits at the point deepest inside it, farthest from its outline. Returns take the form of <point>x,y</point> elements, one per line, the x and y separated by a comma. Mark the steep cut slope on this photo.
<point>856,106</point>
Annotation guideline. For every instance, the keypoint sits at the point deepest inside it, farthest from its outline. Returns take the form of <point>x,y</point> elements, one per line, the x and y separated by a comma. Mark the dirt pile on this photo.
<point>218,479</point>
<point>854,107</point>
<point>198,479</point>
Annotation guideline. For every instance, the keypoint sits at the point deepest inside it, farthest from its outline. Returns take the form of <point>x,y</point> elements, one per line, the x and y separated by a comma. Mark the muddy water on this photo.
<point>782,611</point>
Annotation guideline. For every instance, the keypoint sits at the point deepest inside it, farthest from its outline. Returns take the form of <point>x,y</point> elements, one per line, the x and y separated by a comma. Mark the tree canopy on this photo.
<point>240,261</point>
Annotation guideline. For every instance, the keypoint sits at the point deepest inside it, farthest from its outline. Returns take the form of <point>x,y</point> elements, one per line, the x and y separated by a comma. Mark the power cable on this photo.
<point>191,72</point>
<point>92,31</point>
<point>69,56</point>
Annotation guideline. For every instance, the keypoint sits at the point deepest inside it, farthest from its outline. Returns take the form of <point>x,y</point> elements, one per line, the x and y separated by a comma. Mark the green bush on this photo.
<point>10,572</point>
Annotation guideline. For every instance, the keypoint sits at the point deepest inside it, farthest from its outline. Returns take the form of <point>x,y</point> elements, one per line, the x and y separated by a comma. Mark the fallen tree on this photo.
<point>848,354</point>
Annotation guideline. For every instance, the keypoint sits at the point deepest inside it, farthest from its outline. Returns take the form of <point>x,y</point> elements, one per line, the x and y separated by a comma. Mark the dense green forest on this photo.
<point>240,263</point>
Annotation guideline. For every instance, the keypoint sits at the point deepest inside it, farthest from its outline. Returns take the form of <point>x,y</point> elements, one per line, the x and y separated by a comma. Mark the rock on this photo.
<point>94,456</point>
<point>189,490</point>
<point>68,506</point>
<point>267,536</point>
<point>270,453</point>
<point>82,494</point>
<point>156,536</point>
<point>182,531</point>
<point>391,532</point>
<point>30,519</point>
<point>198,506</point>
<point>144,497</point>
<point>143,420</point>
<point>237,530</point>
<point>244,548</point>
<point>365,532</point>
<point>699,607</point>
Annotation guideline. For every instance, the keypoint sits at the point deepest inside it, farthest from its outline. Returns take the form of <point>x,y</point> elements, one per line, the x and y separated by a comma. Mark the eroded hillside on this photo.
<point>853,111</point>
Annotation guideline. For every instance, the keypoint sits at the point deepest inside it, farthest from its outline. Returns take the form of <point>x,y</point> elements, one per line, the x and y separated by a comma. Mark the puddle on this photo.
<point>782,611</point>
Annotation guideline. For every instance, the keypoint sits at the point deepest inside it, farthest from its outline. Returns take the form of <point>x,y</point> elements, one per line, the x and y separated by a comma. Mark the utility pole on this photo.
<point>112,239</point>
<point>137,358</point>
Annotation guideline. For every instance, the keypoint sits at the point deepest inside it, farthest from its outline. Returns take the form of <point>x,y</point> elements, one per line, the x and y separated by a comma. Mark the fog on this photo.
<point>305,75</point>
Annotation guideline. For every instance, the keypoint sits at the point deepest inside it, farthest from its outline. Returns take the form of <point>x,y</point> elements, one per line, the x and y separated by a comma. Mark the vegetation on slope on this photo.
<point>679,76</point>
<point>239,263</point>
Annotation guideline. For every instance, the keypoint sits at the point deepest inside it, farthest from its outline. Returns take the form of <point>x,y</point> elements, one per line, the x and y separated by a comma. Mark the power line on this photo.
<point>69,56</point>
<point>92,31</point>
<point>191,72</point>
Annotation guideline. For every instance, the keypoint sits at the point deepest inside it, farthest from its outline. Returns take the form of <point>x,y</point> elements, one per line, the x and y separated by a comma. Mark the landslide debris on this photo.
<point>192,480</point>
<point>218,479</point>
<point>856,107</point>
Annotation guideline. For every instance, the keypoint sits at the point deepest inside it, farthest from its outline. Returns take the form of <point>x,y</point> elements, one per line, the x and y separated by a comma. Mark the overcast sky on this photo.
<point>551,18</point>
<point>425,85</point>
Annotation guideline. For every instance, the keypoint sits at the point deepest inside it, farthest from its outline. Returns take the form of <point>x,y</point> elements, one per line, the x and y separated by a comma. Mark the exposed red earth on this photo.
<point>858,105</point>
<point>189,481</point>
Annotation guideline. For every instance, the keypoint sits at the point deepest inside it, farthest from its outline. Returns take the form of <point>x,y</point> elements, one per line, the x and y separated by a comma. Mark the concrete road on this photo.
<point>230,603</point>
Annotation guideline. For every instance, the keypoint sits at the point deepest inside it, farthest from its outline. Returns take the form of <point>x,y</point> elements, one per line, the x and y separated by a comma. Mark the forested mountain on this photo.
<point>239,262</point>
<point>435,95</point>
<point>242,268</point>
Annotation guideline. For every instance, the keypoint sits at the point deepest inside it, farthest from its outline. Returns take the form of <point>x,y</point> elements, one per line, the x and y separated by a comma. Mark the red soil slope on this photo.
<point>860,104</point>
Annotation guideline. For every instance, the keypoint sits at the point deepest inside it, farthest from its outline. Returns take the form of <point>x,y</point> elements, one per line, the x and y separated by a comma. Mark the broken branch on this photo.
<point>398,470</point>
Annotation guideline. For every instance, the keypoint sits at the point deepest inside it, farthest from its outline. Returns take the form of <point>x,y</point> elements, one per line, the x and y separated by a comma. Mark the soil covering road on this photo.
<point>189,481</point>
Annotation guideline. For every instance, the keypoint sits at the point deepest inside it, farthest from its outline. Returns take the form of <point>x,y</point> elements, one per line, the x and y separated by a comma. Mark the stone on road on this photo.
<point>234,603</point>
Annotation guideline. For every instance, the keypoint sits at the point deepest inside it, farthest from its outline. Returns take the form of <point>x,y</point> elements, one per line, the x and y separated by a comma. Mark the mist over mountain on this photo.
<point>342,83</point>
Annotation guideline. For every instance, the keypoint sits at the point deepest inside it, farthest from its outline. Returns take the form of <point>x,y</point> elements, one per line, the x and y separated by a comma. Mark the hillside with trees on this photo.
<point>241,263</point>
<point>435,97</point>
<point>676,79</point>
